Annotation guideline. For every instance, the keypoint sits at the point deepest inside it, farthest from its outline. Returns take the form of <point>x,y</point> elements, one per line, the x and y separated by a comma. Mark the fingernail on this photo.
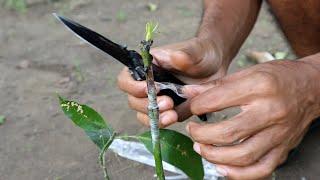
<point>196,148</point>
<point>221,171</point>
<point>162,104</point>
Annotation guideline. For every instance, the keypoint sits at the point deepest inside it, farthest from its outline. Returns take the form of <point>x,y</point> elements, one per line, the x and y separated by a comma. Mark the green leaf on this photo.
<point>177,150</point>
<point>280,55</point>
<point>151,28</point>
<point>89,120</point>
<point>2,119</point>
<point>152,7</point>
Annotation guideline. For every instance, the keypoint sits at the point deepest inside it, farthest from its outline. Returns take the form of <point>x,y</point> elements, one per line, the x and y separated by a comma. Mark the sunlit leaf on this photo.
<point>177,150</point>
<point>89,120</point>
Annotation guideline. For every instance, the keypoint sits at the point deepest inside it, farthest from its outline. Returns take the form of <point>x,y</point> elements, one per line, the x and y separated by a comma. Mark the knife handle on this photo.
<point>162,75</point>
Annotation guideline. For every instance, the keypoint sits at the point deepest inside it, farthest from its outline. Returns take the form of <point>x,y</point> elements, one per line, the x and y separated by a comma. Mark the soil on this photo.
<point>39,58</point>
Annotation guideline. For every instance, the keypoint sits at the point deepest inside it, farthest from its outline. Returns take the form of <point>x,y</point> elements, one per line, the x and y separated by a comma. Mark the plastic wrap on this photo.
<point>137,152</point>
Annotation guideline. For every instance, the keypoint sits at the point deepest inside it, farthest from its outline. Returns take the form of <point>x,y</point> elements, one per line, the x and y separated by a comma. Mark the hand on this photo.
<point>192,61</point>
<point>278,100</point>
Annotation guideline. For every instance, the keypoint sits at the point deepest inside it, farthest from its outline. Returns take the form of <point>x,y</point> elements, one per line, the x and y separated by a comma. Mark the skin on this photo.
<point>278,99</point>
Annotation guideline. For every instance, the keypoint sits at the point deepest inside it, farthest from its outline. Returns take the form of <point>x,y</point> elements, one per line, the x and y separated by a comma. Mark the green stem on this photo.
<point>102,159</point>
<point>153,109</point>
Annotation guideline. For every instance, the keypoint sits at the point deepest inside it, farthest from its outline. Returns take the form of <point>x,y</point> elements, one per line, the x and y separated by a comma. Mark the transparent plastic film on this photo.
<point>137,152</point>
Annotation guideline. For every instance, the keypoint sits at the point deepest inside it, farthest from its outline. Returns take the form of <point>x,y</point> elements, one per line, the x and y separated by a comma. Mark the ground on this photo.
<point>39,58</point>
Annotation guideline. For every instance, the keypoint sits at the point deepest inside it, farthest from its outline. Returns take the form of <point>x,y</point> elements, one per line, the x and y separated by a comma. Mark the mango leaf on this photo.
<point>89,120</point>
<point>177,150</point>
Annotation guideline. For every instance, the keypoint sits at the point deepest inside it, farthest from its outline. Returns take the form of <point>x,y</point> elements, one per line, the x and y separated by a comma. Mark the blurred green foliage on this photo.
<point>2,119</point>
<point>17,5</point>
<point>121,16</point>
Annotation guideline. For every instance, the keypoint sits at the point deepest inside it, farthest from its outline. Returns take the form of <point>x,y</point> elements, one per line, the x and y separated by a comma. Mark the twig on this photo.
<point>102,159</point>
<point>153,109</point>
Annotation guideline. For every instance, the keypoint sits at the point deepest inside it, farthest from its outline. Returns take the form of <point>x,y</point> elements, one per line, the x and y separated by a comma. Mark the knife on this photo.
<point>129,58</point>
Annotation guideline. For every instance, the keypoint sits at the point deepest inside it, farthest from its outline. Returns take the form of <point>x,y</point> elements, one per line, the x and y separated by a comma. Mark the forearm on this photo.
<point>227,23</point>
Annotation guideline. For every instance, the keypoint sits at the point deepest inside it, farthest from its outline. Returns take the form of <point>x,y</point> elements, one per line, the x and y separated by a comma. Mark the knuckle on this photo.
<point>120,83</point>
<point>246,158</point>
<point>281,112</point>
<point>266,171</point>
<point>139,116</point>
<point>142,119</point>
<point>121,78</point>
<point>168,101</point>
<point>195,133</point>
<point>217,82</point>
<point>131,103</point>
<point>206,154</point>
<point>268,82</point>
<point>228,135</point>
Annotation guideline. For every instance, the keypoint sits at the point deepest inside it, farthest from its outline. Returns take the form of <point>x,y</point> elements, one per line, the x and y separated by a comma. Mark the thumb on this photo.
<point>179,57</point>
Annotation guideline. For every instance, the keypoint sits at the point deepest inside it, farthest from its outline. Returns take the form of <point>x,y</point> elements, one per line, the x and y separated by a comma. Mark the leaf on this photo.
<point>177,150</point>
<point>152,7</point>
<point>2,119</point>
<point>151,28</point>
<point>89,120</point>
<point>280,55</point>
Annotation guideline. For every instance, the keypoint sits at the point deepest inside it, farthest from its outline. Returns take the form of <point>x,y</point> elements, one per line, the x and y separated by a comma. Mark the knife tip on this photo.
<point>57,16</point>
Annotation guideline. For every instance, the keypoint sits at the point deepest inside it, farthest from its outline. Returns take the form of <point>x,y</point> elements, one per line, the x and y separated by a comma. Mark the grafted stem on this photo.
<point>153,109</point>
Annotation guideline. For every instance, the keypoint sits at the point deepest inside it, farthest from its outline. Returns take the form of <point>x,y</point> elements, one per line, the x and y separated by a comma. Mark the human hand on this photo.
<point>278,100</point>
<point>193,61</point>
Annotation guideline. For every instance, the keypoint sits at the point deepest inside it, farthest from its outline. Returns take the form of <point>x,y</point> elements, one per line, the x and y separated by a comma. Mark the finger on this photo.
<point>223,96</point>
<point>171,56</point>
<point>241,126</point>
<point>245,153</point>
<point>127,84</point>
<point>191,91</point>
<point>187,57</point>
<point>166,118</point>
<point>261,169</point>
<point>141,104</point>
<point>143,118</point>
<point>183,110</point>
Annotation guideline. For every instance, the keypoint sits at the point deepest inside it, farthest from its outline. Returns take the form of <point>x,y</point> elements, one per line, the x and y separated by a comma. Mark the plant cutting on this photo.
<point>165,145</point>
<point>153,108</point>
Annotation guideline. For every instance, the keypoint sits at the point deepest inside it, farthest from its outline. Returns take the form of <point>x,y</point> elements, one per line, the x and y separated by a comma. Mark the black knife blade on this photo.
<point>129,58</point>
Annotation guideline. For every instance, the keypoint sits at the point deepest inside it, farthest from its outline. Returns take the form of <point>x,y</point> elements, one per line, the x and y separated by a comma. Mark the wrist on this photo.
<point>312,70</point>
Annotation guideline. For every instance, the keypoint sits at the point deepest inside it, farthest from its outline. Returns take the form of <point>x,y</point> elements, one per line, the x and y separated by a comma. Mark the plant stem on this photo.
<point>102,159</point>
<point>153,109</point>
